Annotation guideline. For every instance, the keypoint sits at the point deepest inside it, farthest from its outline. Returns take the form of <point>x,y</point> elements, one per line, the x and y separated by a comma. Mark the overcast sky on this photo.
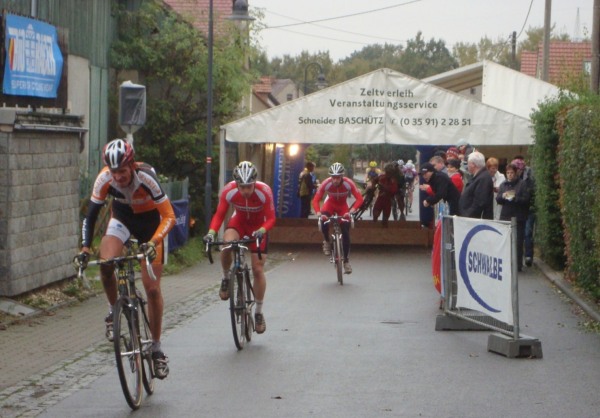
<point>346,26</point>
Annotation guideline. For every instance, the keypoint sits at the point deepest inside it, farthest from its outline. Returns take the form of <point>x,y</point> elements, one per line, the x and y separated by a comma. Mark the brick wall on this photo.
<point>39,200</point>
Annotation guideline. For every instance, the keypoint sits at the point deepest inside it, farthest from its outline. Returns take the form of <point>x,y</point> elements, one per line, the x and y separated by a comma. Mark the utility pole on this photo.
<point>513,43</point>
<point>546,55</point>
<point>595,64</point>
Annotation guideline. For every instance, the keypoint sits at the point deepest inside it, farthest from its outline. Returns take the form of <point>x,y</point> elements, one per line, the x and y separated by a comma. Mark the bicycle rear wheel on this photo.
<point>127,352</point>
<point>338,259</point>
<point>237,308</point>
<point>407,201</point>
<point>146,344</point>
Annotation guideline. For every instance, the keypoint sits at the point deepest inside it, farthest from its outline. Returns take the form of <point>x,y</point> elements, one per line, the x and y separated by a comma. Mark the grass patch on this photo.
<point>187,256</point>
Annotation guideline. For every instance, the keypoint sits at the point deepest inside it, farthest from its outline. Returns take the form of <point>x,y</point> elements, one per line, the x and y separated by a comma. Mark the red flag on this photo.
<point>436,257</point>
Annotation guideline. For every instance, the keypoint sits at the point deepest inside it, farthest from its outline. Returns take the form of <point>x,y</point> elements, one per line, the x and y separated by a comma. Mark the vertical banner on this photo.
<point>178,236</point>
<point>484,267</point>
<point>285,183</point>
<point>33,62</point>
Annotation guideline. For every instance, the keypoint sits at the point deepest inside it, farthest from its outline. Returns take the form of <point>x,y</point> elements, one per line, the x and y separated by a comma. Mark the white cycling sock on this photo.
<point>259,304</point>
<point>155,346</point>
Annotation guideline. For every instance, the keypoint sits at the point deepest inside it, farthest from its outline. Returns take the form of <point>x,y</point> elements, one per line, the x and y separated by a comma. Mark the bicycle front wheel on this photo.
<point>248,319</point>
<point>237,307</point>
<point>338,258</point>
<point>127,352</point>
<point>146,344</point>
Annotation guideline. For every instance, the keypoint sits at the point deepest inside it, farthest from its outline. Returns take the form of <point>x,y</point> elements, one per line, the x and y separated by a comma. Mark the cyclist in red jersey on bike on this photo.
<point>253,216</point>
<point>140,208</point>
<point>337,189</point>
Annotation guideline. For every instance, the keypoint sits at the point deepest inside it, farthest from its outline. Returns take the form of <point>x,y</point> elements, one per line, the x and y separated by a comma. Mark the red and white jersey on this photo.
<point>337,196</point>
<point>258,210</point>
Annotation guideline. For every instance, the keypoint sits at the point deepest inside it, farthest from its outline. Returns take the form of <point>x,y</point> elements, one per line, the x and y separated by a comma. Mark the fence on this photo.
<point>508,341</point>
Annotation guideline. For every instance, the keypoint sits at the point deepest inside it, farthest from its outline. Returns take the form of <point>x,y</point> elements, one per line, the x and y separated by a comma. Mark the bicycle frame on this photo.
<point>241,293</point>
<point>337,253</point>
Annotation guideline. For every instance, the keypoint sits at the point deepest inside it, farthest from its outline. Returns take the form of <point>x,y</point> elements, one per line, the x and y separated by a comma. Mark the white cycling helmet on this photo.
<point>245,173</point>
<point>410,166</point>
<point>400,162</point>
<point>336,169</point>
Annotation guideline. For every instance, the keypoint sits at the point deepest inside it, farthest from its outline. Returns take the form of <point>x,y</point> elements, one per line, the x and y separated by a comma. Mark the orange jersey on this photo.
<point>143,194</point>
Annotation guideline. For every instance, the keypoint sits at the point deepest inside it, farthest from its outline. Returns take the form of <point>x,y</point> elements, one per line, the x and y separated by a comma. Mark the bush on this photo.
<point>549,238</point>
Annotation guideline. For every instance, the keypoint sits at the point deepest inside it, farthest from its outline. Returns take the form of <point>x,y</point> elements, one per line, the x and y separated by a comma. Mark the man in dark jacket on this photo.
<point>306,188</point>
<point>442,188</point>
<point>514,195</point>
<point>477,198</point>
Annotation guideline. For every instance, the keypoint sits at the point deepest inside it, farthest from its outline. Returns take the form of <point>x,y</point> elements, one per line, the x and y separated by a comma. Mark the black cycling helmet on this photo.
<point>245,173</point>
<point>118,153</point>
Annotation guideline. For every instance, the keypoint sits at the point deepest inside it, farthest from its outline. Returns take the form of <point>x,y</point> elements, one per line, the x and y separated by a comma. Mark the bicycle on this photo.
<point>368,197</point>
<point>337,251</point>
<point>409,190</point>
<point>241,292</point>
<point>131,328</point>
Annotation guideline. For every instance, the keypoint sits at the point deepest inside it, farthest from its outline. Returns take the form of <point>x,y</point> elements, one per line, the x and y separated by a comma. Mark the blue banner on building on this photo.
<point>33,62</point>
<point>285,183</point>
<point>179,235</point>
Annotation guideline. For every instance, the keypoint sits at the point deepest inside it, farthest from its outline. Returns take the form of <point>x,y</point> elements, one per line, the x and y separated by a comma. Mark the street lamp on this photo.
<point>321,82</point>
<point>239,13</point>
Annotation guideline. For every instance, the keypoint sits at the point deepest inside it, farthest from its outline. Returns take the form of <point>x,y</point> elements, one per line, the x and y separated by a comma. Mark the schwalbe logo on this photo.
<point>462,265</point>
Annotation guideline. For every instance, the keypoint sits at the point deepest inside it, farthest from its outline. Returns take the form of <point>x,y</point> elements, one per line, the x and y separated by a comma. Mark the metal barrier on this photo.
<point>177,190</point>
<point>508,341</point>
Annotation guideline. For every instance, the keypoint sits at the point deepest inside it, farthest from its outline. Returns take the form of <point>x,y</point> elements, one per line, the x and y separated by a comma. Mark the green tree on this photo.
<point>170,57</point>
<point>422,59</point>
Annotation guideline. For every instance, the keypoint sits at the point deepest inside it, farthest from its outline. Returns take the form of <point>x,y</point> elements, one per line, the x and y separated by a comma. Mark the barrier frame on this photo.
<point>507,340</point>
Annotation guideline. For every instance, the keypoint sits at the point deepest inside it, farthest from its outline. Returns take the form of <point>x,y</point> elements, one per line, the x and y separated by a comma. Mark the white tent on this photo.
<point>383,106</point>
<point>500,86</point>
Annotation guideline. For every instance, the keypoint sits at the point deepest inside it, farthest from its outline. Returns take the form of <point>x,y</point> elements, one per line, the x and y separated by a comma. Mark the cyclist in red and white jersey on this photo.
<point>140,208</point>
<point>337,189</point>
<point>253,216</point>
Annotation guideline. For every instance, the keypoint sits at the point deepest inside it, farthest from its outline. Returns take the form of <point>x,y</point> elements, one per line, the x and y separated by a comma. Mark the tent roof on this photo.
<point>383,106</point>
<point>523,96</point>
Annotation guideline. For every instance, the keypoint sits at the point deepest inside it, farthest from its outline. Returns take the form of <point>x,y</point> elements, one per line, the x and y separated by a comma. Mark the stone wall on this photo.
<point>39,199</point>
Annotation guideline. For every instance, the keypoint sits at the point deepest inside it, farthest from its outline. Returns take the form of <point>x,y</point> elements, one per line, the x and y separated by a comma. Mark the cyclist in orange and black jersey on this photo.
<point>139,208</point>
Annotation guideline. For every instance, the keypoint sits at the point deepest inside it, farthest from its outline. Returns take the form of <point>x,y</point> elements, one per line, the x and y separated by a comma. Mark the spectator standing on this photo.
<point>476,200</point>
<point>514,198</point>
<point>498,178</point>
<point>388,186</point>
<point>442,188</point>
<point>526,174</point>
<point>454,173</point>
<point>306,188</point>
<point>464,150</point>
<point>439,163</point>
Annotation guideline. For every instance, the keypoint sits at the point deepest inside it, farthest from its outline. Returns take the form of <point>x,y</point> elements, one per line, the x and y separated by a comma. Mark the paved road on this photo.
<point>366,349</point>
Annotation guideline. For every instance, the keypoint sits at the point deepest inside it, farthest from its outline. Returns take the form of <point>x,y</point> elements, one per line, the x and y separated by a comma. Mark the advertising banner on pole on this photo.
<point>33,61</point>
<point>285,184</point>
<point>484,267</point>
<point>180,232</point>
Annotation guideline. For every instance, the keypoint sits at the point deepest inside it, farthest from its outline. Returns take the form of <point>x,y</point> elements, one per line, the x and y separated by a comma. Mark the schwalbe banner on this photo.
<point>484,267</point>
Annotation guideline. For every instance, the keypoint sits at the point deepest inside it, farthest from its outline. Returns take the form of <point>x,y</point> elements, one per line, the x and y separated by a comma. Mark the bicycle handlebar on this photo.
<point>234,243</point>
<point>336,217</point>
<point>117,260</point>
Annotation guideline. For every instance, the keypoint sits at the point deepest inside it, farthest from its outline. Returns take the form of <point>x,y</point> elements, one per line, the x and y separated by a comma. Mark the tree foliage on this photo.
<point>423,59</point>
<point>170,57</point>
